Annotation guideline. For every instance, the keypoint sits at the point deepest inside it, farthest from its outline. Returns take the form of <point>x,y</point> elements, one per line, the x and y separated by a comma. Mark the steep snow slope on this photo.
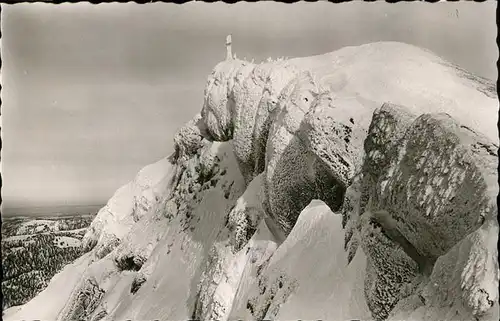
<point>166,246</point>
<point>223,230</point>
<point>307,277</point>
<point>176,262</point>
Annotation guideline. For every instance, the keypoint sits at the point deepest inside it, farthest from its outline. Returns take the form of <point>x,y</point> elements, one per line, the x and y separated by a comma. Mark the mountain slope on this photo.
<point>230,227</point>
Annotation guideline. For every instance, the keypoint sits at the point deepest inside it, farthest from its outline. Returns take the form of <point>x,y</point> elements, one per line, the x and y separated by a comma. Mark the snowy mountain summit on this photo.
<point>358,184</point>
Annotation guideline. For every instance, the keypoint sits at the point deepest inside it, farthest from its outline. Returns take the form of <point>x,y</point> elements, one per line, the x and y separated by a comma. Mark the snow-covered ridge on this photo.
<point>270,206</point>
<point>129,203</point>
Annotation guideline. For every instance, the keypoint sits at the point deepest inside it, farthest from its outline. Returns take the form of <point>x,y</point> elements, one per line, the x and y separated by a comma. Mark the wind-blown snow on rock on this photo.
<point>328,187</point>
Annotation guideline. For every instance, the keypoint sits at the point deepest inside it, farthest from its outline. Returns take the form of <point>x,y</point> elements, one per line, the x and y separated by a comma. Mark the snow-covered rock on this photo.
<point>339,92</point>
<point>435,181</point>
<point>307,188</point>
<point>463,284</point>
<point>189,139</point>
<point>364,77</point>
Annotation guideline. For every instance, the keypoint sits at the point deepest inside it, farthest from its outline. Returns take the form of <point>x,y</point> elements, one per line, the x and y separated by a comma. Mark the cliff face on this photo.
<point>354,184</point>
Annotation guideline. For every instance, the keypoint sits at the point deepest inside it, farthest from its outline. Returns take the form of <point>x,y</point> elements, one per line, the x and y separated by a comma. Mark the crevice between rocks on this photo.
<point>390,229</point>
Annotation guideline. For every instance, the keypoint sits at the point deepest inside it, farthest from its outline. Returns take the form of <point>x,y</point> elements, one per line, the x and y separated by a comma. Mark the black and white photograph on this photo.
<point>249,161</point>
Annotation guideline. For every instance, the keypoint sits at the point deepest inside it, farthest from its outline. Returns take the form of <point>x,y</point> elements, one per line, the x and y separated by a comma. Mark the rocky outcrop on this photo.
<point>315,147</point>
<point>436,183</point>
<point>189,139</point>
<point>308,104</point>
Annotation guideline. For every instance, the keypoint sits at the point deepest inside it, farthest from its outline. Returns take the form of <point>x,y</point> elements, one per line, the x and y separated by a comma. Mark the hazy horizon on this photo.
<point>62,210</point>
<point>93,93</point>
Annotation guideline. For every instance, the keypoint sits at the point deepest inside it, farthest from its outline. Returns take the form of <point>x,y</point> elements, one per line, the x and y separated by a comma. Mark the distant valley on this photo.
<point>34,249</point>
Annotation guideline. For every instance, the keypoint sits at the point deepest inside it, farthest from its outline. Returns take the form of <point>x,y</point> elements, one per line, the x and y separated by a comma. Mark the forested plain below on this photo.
<point>34,249</point>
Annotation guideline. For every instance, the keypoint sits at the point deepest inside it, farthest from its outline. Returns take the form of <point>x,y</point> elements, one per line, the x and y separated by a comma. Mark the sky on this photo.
<point>93,93</point>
